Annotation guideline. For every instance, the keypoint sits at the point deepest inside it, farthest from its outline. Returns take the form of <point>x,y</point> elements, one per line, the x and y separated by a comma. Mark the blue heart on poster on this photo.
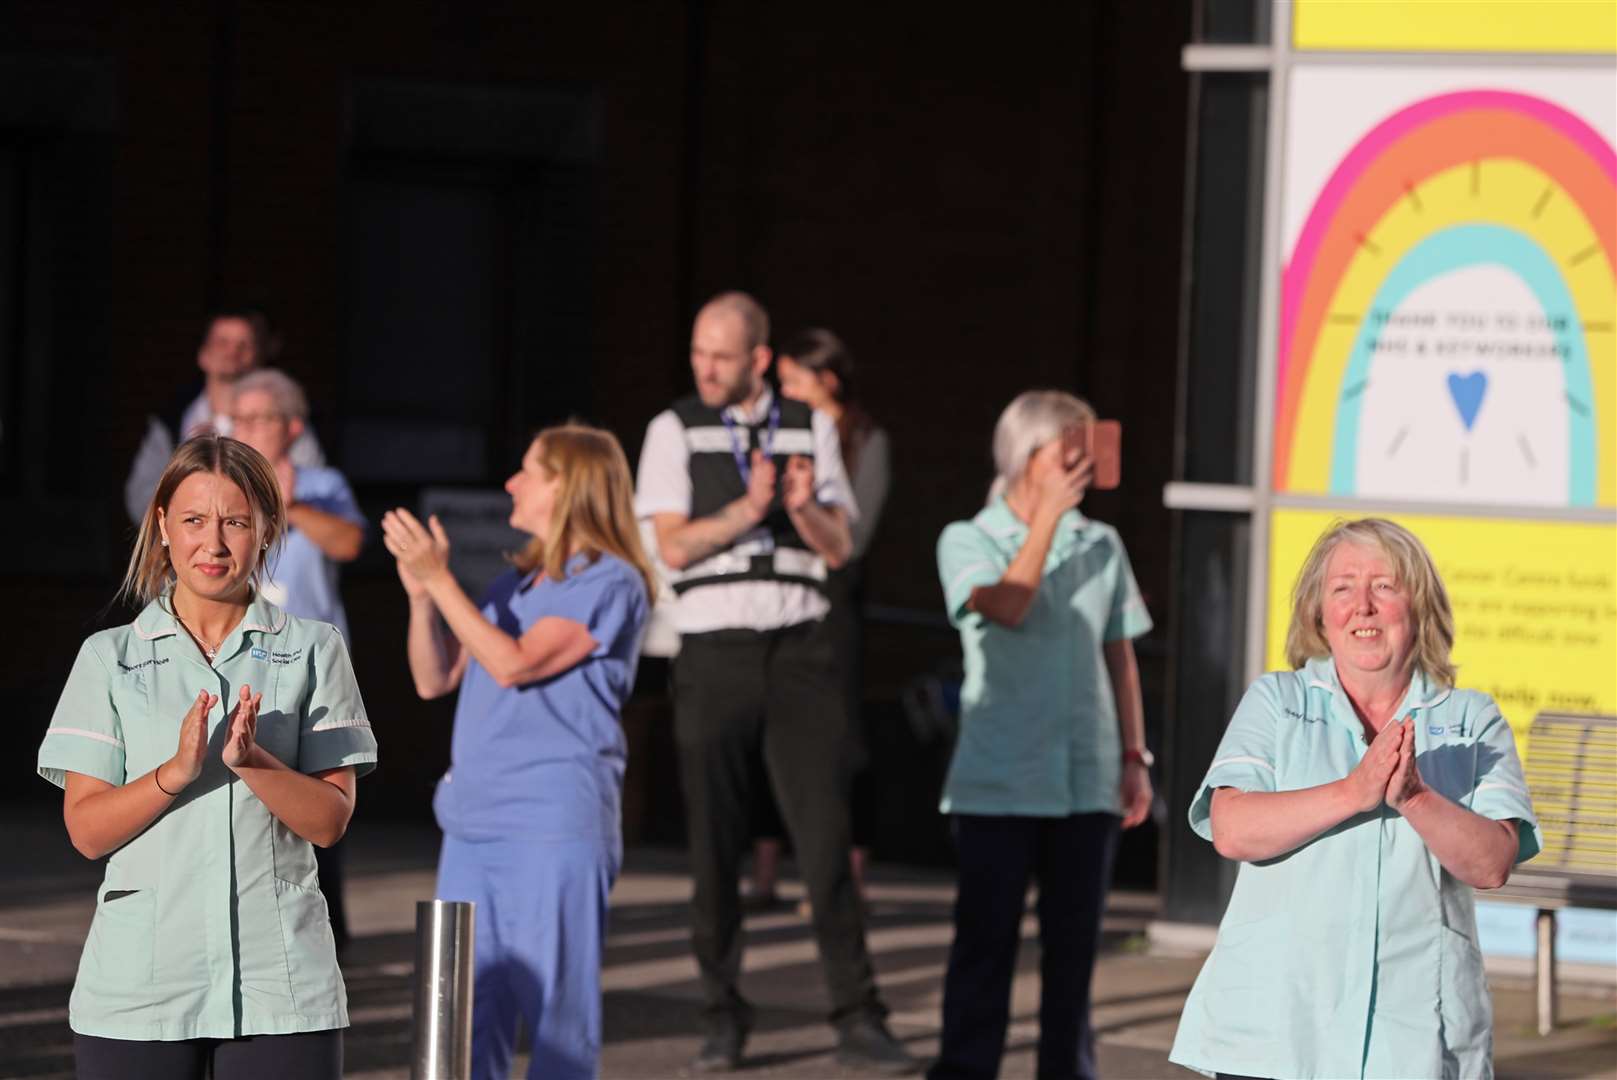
<point>1467,392</point>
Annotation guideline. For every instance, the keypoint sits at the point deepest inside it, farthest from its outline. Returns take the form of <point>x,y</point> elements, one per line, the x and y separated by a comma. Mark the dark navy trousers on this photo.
<point>1070,858</point>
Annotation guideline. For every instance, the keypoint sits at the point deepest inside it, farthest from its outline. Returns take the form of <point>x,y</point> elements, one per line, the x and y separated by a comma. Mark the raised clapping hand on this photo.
<point>242,739</point>
<point>799,487</point>
<point>186,764</point>
<point>1370,777</point>
<point>761,483</point>
<point>421,555</point>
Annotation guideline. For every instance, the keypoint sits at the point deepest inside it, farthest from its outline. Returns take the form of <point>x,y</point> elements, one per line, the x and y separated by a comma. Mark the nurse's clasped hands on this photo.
<point>1369,779</point>
<point>1405,783</point>
<point>186,765</point>
<point>241,740</point>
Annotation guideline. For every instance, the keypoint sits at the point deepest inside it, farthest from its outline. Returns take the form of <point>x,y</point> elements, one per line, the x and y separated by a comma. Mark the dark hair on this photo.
<point>821,351</point>
<point>266,341</point>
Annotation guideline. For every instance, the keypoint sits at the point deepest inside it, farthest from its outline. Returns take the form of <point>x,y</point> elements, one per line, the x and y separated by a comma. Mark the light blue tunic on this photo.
<point>1354,955</point>
<point>1038,718</point>
<point>298,576</point>
<point>210,923</point>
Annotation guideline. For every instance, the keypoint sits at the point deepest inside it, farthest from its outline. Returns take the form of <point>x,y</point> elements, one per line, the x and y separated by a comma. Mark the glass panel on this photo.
<point>1219,361</point>
<point>1232,22</point>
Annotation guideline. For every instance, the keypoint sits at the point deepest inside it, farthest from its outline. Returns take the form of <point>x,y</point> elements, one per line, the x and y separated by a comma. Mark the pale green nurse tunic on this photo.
<point>1038,716</point>
<point>1356,954</point>
<point>210,923</point>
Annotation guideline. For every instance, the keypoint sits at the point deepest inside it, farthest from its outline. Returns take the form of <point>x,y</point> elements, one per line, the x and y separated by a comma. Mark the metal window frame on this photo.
<point>1258,501</point>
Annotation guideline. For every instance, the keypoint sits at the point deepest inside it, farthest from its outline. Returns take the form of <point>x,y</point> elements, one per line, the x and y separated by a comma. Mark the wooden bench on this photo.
<point>1571,768</point>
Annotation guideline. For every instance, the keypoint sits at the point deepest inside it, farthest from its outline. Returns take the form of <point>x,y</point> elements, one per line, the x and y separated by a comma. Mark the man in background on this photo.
<point>237,341</point>
<point>750,504</point>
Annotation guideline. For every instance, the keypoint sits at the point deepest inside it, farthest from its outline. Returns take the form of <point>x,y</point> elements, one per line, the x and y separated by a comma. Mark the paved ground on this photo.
<point>650,984</point>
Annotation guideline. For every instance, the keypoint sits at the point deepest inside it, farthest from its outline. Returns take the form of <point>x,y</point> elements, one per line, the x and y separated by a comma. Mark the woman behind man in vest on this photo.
<point>324,528</point>
<point>530,808</point>
<point>210,952</point>
<point>816,368</point>
<point>1051,756</point>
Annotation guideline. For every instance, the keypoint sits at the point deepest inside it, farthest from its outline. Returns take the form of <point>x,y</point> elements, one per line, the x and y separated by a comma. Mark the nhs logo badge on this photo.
<point>260,654</point>
<point>1434,729</point>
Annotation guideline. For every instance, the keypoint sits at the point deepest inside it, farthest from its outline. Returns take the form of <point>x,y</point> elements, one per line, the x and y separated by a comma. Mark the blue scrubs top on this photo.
<point>545,761</point>
<point>298,576</point>
<point>1356,954</point>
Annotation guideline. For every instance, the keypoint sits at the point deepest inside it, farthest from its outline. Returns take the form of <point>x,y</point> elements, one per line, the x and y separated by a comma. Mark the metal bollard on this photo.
<point>443,990</point>
<point>1545,970</point>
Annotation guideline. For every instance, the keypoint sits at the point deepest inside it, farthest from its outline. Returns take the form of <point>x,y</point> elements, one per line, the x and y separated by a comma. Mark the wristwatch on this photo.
<point>1142,755</point>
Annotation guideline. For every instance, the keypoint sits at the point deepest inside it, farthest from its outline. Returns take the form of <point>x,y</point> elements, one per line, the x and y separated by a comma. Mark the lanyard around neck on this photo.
<point>766,442</point>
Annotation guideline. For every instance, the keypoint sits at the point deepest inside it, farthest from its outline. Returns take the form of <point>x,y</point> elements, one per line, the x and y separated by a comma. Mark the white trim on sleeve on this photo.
<point>328,723</point>
<point>1239,761</point>
<point>1491,786</point>
<point>954,583</point>
<point>96,735</point>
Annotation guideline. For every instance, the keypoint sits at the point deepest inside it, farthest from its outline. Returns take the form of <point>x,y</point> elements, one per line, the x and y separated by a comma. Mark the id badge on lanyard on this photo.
<point>766,442</point>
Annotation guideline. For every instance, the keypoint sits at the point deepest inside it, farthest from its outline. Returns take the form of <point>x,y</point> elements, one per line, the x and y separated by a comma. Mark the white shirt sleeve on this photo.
<point>831,486</point>
<point>150,461</point>
<point>663,485</point>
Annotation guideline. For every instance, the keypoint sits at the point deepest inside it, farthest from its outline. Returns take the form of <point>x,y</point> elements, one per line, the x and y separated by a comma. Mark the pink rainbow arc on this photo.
<point>1296,273</point>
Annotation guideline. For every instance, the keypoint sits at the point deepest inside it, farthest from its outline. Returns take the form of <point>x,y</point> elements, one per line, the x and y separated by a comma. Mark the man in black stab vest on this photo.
<point>750,504</point>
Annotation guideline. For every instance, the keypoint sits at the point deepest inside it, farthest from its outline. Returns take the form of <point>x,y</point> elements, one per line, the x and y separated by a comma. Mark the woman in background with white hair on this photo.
<point>324,527</point>
<point>1051,757</point>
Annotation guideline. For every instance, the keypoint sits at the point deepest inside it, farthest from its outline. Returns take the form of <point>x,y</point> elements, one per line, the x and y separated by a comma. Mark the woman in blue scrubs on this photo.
<point>530,806</point>
<point>1365,797</point>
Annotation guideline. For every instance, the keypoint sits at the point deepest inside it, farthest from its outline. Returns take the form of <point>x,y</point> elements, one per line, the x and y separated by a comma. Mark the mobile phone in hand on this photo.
<point>1103,442</point>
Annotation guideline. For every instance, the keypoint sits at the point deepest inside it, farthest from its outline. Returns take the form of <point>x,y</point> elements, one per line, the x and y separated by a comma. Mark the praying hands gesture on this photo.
<point>1405,781</point>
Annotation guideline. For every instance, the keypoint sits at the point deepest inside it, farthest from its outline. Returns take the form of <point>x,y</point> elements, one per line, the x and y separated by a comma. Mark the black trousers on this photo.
<point>1071,859</point>
<point>736,693</point>
<point>308,1055</point>
<point>844,587</point>
<point>330,862</point>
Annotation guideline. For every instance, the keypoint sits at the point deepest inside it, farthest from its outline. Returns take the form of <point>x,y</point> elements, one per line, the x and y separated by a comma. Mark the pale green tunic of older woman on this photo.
<point>1370,798</point>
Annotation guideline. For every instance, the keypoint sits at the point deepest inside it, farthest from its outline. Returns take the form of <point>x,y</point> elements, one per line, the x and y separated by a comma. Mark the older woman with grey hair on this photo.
<point>1365,797</point>
<point>1051,757</point>
<point>324,528</point>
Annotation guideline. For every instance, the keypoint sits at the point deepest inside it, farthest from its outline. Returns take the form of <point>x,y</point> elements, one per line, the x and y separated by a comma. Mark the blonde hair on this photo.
<point>150,573</point>
<point>1034,418</point>
<point>594,508</point>
<point>1417,575</point>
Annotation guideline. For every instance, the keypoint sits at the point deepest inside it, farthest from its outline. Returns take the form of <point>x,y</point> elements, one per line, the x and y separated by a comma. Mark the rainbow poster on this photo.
<point>1510,26</point>
<point>1448,298</point>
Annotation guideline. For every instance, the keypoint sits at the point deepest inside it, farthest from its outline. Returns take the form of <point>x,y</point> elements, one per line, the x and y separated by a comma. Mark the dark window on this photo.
<point>1232,22</point>
<point>1207,682</point>
<point>1220,347</point>
<point>468,240</point>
